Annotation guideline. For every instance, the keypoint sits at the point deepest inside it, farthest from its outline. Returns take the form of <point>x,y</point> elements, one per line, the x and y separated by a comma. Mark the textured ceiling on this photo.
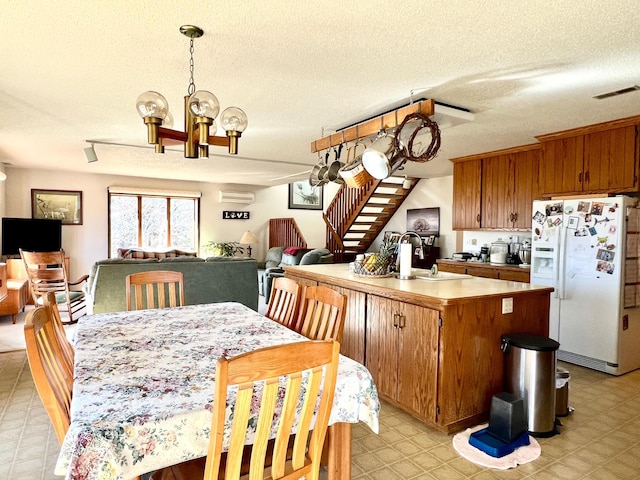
<point>71,70</point>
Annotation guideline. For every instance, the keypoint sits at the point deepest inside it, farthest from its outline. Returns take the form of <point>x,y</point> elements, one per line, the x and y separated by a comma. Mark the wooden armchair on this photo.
<point>155,289</point>
<point>47,273</point>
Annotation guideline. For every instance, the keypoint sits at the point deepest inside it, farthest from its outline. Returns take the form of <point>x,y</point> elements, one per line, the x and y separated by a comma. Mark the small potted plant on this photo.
<point>223,249</point>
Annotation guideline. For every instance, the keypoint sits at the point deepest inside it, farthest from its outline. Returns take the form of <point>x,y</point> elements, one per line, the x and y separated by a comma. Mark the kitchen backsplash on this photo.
<point>473,240</point>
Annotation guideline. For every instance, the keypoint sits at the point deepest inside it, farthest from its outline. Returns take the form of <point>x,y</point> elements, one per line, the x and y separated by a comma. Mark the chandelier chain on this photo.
<point>192,85</point>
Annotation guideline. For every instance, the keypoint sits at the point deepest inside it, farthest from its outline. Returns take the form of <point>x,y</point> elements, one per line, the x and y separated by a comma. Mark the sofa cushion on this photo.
<point>180,259</point>
<point>273,257</point>
<point>314,256</point>
<point>140,253</point>
<point>289,259</point>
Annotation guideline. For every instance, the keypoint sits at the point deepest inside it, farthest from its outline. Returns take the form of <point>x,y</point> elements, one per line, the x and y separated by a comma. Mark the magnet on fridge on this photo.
<point>539,217</point>
<point>597,208</point>
<point>592,231</point>
<point>573,222</point>
<point>606,267</point>
<point>612,229</point>
<point>605,255</point>
<point>584,206</point>
<point>568,209</point>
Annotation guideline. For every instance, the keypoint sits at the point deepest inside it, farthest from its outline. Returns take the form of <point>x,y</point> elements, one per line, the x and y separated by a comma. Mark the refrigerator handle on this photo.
<point>559,267</point>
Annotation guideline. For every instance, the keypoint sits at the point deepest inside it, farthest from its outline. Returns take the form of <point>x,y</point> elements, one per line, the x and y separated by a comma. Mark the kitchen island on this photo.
<point>433,344</point>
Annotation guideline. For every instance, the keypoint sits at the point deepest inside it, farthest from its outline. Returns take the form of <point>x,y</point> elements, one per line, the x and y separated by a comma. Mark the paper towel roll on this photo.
<point>406,254</point>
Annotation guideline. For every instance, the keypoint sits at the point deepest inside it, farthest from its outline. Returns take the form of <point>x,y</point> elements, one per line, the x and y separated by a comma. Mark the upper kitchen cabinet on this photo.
<point>507,188</point>
<point>600,158</point>
<point>466,194</point>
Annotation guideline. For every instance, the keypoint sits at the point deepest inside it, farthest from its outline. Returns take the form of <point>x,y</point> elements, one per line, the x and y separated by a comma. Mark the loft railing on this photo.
<point>284,232</point>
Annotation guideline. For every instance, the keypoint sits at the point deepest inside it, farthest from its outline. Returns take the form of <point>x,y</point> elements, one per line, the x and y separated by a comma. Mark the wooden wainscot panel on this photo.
<point>355,325</point>
<point>472,363</point>
<point>302,281</point>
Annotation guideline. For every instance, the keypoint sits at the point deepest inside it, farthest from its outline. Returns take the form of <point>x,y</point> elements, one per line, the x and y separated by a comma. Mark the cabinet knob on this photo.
<point>478,218</point>
<point>580,177</point>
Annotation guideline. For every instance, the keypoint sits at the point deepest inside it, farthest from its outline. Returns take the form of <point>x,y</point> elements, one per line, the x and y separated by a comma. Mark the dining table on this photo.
<point>144,382</point>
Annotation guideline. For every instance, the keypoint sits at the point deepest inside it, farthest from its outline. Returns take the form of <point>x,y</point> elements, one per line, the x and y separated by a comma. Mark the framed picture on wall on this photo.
<point>424,221</point>
<point>303,196</point>
<point>65,205</point>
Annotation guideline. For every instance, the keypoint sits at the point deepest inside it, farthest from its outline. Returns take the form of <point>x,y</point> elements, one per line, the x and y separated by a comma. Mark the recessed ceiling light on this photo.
<point>615,93</point>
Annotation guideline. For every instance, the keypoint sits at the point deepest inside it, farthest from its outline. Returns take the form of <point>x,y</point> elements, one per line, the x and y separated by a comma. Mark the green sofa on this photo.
<point>216,279</point>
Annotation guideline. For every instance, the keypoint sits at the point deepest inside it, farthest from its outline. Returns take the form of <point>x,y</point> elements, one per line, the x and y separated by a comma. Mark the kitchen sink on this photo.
<point>440,276</point>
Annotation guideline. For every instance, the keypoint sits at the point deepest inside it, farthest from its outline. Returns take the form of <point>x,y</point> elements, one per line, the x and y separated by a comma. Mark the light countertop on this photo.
<point>441,292</point>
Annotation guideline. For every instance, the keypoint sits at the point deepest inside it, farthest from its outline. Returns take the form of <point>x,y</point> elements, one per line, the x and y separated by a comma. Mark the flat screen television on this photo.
<point>37,235</point>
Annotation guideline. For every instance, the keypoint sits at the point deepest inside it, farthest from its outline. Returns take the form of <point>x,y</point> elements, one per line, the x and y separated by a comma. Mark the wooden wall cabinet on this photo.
<point>598,159</point>
<point>402,353</point>
<point>508,189</point>
<point>466,195</point>
<point>495,190</point>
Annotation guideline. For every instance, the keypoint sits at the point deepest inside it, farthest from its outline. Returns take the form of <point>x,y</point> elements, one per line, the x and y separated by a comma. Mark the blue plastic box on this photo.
<point>495,447</point>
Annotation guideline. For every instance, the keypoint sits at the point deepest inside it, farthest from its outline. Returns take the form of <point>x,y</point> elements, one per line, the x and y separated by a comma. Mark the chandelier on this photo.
<point>200,110</point>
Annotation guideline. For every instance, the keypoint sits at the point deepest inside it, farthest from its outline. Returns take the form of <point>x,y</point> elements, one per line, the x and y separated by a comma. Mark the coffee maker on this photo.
<point>513,257</point>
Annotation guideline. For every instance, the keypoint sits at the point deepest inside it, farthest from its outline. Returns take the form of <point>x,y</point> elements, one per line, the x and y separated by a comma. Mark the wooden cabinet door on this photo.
<point>352,344</point>
<point>466,195</point>
<point>417,358</point>
<point>497,191</point>
<point>610,160</point>
<point>382,345</point>
<point>402,353</point>
<point>561,166</point>
<point>525,189</point>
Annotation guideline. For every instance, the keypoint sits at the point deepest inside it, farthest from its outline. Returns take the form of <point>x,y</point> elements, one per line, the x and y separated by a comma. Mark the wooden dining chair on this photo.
<point>47,273</point>
<point>283,302</point>
<point>68,354</point>
<point>289,375</point>
<point>321,313</point>
<point>155,289</point>
<point>45,356</point>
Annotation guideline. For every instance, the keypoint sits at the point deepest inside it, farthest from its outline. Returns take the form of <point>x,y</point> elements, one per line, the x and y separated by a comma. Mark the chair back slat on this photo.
<point>68,354</point>
<point>155,289</point>
<point>321,314</point>
<point>306,371</point>
<point>52,380</point>
<point>283,302</point>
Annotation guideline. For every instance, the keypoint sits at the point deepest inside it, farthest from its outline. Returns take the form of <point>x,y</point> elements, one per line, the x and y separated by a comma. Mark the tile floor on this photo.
<point>600,440</point>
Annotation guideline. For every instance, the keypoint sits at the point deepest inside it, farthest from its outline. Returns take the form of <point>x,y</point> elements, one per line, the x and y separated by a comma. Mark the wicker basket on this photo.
<point>379,268</point>
<point>354,174</point>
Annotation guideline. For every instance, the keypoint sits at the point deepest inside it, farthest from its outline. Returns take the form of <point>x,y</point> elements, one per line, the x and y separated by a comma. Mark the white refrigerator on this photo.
<point>588,249</point>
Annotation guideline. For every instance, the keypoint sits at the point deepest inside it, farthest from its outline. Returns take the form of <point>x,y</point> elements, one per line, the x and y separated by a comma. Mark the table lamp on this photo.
<point>248,239</point>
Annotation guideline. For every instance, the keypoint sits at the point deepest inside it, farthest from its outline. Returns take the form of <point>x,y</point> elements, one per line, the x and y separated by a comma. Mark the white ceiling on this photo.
<point>71,71</point>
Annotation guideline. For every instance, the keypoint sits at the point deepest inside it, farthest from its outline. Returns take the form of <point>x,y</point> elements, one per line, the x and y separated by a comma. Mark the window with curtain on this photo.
<point>153,219</point>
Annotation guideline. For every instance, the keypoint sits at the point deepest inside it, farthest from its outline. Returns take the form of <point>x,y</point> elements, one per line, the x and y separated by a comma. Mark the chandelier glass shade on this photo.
<point>200,111</point>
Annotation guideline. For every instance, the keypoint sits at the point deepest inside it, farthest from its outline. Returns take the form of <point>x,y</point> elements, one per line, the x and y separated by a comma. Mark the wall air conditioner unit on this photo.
<point>236,197</point>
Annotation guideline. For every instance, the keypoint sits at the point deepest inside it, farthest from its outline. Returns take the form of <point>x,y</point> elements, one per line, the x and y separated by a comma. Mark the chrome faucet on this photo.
<point>420,253</point>
<point>411,232</point>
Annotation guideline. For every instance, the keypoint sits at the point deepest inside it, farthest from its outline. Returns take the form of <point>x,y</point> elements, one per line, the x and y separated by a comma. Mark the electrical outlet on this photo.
<point>474,241</point>
<point>507,305</point>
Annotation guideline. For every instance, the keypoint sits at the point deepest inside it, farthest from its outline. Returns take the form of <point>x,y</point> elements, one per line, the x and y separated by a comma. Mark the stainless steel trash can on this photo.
<point>530,373</point>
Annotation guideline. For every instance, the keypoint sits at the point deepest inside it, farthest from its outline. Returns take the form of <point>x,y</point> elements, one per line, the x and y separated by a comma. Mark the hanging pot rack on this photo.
<point>372,126</point>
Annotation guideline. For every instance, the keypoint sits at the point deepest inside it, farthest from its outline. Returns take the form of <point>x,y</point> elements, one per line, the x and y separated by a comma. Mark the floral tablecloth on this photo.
<point>143,386</point>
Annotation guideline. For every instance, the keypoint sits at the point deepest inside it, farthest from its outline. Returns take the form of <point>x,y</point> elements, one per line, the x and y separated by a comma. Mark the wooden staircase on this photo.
<point>356,217</point>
